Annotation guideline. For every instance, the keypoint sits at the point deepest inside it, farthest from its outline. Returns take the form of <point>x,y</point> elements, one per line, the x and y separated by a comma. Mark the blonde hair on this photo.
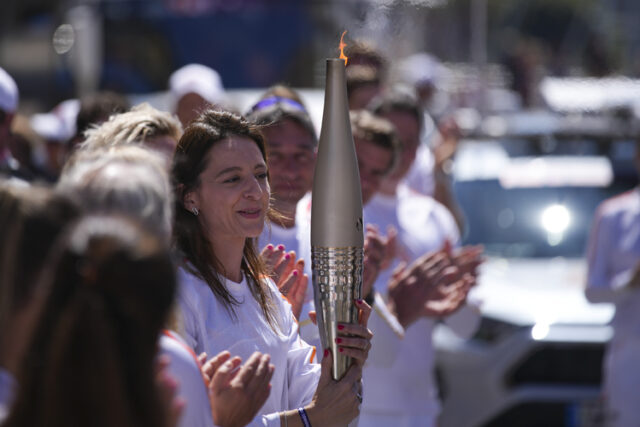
<point>141,123</point>
<point>377,130</point>
<point>126,179</point>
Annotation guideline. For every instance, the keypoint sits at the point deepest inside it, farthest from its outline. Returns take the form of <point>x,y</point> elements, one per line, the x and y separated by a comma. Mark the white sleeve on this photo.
<point>387,334</point>
<point>191,387</point>
<point>309,330</point>
<point>446,223</point>
<point>602,285</point>
<point>465,321</point>
<point>420,176</point>
<point>188,322</point>
<point>303,371</point>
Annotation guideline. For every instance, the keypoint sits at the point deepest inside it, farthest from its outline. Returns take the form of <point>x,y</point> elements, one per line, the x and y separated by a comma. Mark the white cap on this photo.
<point>49,126</point>
<point>199,79</point>
<point>67,111</point>
<point>58,125</point>
<point>8,93</point>
<point>420,69</point>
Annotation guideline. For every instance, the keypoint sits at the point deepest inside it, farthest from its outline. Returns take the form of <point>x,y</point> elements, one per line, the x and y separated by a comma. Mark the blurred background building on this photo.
<point>60,49</point>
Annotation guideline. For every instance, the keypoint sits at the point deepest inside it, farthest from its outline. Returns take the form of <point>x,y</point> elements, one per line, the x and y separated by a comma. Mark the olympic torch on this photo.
<point>337,238</point>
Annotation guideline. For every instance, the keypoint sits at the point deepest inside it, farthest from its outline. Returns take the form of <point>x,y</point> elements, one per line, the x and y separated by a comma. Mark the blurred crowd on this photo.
<point>155,265</point>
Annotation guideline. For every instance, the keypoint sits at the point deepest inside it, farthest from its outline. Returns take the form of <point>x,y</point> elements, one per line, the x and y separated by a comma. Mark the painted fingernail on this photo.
<point>287,256</point>
<point>326,352</point>
<point>338,340</point>
<point>270,247</point>
<point>295,272</point>
<point>359,301</point>
<point>341,350</point>
<point>281,247</point>
<point>340,327</point>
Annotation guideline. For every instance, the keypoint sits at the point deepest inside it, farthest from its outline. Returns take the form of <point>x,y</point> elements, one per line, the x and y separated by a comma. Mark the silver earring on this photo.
<point>195,211</point>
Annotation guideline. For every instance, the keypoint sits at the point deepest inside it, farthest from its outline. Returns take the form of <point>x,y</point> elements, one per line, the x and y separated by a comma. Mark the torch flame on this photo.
<point>342,46</point>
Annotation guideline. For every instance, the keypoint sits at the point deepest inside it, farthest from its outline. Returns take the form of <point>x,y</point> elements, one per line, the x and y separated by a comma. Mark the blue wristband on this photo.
<point>304,417</point>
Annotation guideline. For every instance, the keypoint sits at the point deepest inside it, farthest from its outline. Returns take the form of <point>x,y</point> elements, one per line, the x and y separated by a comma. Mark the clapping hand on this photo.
<point>432,286</point>
<point>288,274</point>
<point>236,391</point>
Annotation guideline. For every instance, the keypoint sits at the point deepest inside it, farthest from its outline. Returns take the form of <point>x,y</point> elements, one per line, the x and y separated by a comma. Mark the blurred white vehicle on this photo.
<point>536,359</point>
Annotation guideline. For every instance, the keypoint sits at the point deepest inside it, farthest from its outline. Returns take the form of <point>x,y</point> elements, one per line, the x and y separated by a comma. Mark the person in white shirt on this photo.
<point>125,178</point>
<point>222,198</point>
<point>613,256</point>
<point>427,165</point>
<point>426,232</point>
<point>291,143</point>
<point>412,294</point>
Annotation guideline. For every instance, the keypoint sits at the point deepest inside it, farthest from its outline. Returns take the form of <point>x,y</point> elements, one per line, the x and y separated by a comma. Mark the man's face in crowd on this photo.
<point>408,132</point>
<point>291,159</point>
<point>374,162</point>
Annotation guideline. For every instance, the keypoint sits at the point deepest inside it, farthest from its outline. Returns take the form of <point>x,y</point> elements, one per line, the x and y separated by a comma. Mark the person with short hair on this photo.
<point>291,142</point>
<point>126,179</point>
<point>378,137</point>
<point>364,52</point>
<point>363,85</point>
<point>405,392</point>
<point>400,106</point>
<point>143,124</point>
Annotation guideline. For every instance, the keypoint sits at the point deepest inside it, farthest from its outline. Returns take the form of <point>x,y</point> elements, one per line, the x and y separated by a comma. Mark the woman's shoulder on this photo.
<point>191,287</point>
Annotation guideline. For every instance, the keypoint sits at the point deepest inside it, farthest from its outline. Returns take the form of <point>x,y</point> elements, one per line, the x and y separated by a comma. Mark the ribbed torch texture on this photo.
<point>336,219</point>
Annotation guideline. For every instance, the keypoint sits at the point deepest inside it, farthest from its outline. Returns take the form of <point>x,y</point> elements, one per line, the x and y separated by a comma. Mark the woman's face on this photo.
<point>233,195</point>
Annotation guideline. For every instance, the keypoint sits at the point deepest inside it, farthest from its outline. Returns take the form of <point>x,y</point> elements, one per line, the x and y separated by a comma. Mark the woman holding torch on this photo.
<point>227,301</point>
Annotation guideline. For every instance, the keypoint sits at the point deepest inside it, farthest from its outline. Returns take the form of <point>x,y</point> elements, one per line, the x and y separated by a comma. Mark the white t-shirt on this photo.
<point>183,366</point>
<point>210,327</point>
<point>420,176</point>
<point>407,390</point>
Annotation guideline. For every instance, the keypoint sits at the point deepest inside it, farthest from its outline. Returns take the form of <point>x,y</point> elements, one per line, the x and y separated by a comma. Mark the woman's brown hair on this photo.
<point>109,286</point>
<point>31,218</point>
<point>190,160</point>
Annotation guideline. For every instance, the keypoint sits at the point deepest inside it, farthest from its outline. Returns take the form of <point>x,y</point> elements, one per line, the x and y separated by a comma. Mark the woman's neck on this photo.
<point>229,253</point>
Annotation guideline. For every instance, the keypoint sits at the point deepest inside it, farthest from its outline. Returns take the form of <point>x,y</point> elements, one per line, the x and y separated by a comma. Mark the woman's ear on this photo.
<point>188,199</point>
